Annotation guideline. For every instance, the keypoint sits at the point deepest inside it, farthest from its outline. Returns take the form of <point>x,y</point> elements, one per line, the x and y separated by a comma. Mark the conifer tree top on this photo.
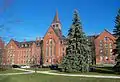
<point>76,17</point>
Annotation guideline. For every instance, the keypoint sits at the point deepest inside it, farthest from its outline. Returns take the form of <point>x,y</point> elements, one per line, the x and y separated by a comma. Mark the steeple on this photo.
<point>56,22</point>
<point>56,18</point>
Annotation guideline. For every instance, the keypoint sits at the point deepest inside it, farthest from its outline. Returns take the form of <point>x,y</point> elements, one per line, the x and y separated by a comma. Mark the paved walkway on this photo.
<point>79,75</point>
<point>16,73</point>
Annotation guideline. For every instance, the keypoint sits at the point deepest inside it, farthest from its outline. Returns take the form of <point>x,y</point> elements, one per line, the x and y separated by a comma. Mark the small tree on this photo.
<point>33,62</point>
<point>41,54</point>
<point>117,33</point>
<point>78,56</point>
<point>1,55</point>
<point>92,48</point>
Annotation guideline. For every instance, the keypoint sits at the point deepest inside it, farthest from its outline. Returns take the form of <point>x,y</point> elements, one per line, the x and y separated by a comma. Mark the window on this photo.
<point>101,45</point>
<point>25,45</point>
<point>110,50</point>
<point>61,42</point>
<point>105,38</point>
<point>110,45</point>
<point>50,41</point>
<point>47,51</point>
<point>56,25</point>
<point>53,25</point>
<point>47,60</point>
<point>106,45</point>
<point>63,49</point>
<point>38,44</point>
<point>106,58</point>
<point>50,50</point>
<point>54,50</point>
<point>101,41</point>
<point>50,47</point>
<point>101,51</point>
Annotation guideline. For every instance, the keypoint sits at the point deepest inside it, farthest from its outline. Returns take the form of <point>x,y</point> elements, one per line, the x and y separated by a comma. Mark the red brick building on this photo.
<point>104,45</point>
<point>23,53</point>
<point>54,43</point>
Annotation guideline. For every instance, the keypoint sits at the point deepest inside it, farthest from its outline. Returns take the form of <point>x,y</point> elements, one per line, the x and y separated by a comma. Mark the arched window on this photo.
<point>50,47</point>
<point>47,53</point>
<point>54,49</point>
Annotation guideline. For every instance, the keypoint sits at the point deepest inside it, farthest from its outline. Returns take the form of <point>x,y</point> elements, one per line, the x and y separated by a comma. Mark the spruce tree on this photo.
<point>117,34</point>
<point>77,52</point>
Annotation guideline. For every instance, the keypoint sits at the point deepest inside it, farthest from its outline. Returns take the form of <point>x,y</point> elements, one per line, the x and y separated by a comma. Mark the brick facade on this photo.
<point>22,53</point>
<point>53,43</point>
<point>104,45</point>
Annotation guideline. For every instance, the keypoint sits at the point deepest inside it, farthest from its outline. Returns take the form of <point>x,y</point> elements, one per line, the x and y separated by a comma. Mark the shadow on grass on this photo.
<point>105,70</point>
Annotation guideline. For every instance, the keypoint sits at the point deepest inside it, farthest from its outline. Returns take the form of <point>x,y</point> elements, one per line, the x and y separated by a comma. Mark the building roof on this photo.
<point>27,44</point>
<point>56,30</point>
<point>56,18</point>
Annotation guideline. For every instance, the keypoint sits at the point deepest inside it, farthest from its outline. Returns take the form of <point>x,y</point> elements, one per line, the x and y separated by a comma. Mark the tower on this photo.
<point>56,22</point>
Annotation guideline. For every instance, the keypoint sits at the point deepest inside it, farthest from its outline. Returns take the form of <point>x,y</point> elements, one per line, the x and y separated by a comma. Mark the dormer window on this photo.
<point>22,45</point>
<point>25,45</point>
<point>28,45</point>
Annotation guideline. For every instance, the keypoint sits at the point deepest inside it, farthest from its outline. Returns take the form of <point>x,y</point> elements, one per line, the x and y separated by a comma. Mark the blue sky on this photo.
<point>28,19</point>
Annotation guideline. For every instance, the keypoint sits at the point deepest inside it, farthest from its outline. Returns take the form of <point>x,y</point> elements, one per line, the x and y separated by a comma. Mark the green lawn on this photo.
<point>10,71</point>
<point>89,73</point>
<point>39,69</point>
<point>51,78</point>
<point>98,71</point>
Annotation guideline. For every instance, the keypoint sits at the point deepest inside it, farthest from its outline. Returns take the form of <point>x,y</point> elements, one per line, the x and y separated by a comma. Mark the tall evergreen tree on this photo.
<point>117,33</point>
<point>78,52</point>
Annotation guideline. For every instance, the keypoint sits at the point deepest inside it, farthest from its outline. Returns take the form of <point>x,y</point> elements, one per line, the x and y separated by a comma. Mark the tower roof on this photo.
<point>56,18</point>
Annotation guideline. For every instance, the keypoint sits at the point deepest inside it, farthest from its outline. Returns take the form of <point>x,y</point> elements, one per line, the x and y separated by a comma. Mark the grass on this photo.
<point>39,69</point>
<point>51,78</point>
<point>106,71</point>
<point>10,70</point>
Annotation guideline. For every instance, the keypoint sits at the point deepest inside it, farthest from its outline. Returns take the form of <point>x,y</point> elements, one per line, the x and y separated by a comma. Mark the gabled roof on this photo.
<point>26,44</point>
<point>105,30</point>
<point>96,36</point>
<point>56,31</point>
